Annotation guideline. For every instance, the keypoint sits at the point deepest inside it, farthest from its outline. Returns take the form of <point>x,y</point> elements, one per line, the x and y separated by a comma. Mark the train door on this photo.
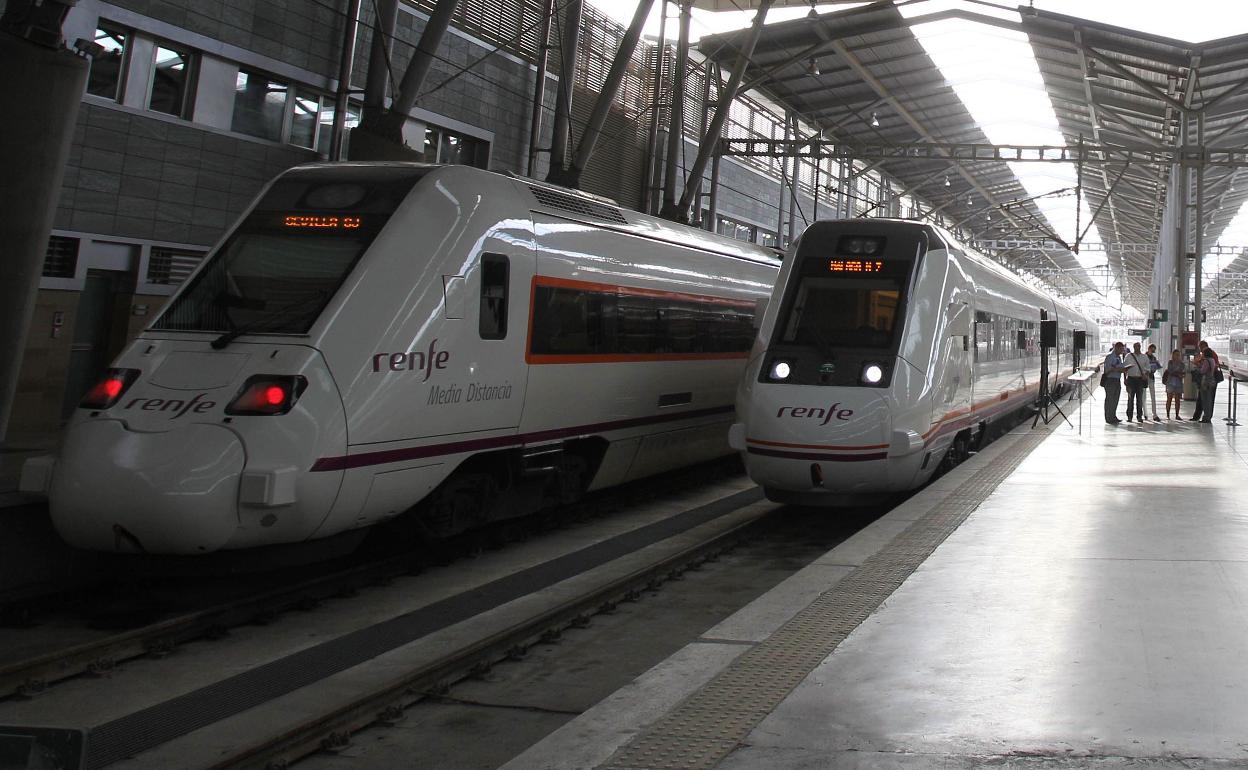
<point>953,392</point>
<point>100,331</point>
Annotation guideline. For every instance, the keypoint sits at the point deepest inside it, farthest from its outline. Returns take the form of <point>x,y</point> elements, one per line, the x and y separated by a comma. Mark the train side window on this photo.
<point>495,269</point>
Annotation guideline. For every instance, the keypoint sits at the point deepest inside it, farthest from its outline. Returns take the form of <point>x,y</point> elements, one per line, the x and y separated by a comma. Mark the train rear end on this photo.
<point>823,404</point>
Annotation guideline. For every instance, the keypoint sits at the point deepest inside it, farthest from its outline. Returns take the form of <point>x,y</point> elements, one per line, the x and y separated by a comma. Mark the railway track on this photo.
<point>333,728</point>
<point>31,676</point>
<point>732,515</point>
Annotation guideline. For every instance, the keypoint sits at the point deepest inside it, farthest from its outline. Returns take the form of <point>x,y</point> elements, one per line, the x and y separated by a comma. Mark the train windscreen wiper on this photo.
<point>280,313</point>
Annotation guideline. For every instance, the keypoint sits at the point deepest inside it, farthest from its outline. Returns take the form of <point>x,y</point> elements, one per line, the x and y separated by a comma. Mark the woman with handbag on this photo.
<point>1172,378</point>
<point>1208,363</point>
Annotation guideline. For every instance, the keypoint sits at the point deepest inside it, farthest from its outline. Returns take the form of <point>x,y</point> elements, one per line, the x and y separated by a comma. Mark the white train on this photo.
<point>886,348</point>
<point>376,339</point>
<point>1232,350</point>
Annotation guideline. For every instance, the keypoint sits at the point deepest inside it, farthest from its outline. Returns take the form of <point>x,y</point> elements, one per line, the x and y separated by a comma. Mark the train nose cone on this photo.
<point>172,492</point>
<point>819,441</point>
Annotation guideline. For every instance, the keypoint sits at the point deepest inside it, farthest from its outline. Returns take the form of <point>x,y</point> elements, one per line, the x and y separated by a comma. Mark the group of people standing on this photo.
<point>1142,370</point>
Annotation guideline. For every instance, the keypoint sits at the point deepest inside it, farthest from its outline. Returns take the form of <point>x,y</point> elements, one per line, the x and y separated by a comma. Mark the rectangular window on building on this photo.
<point>494,275</point>
<point>259,106</point>
<point>61,260</point>
<point>171,266</point>
<point>306,109</point>
<point>443,146</point>
<point>106,61</point>
<point>171,81</point>
<point>325,129</point>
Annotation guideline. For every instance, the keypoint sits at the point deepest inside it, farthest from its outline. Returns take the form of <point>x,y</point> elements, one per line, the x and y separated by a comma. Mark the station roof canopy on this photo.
<point>1119,96</point>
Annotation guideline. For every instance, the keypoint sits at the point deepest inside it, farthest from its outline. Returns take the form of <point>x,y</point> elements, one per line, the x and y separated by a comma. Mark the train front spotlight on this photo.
<point>872,374</point>
<point>781,370</point>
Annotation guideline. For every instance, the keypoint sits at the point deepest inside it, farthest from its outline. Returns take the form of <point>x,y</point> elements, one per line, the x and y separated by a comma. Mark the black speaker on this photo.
<point>1081,340</point>
<point>1048,334</point>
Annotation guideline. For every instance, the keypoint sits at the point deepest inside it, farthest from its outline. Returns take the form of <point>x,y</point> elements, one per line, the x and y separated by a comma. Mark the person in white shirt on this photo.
<point>1153,366</point>
<point>1137,380</point>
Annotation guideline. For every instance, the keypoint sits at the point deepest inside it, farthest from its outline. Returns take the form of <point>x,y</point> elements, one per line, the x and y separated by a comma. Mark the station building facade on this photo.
<point>192,105</point>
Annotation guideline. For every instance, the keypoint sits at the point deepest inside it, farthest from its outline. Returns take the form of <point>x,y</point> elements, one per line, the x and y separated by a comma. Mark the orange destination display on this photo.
<point>320,222</point>
<point>855,265</point>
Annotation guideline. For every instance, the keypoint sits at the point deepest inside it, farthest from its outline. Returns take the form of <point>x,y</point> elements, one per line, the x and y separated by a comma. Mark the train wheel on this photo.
<point>958,451</point>
<point>571,479</point>
<point>461,503</point>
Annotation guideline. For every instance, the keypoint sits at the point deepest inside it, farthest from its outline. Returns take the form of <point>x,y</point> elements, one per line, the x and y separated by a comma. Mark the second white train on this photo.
<point>887,348</point>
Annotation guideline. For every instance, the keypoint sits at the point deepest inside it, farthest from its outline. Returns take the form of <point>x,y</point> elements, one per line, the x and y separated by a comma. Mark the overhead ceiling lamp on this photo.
<point>970,201</point>
<point>813,13</point>
<point>875,120</point>
<point>1091,73</point>
<point>989,217</point>
<point>812,66</point>
<point>946,180</point>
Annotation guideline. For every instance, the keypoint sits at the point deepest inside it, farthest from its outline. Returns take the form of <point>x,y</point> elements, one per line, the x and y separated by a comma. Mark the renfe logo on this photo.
<point>817,412</point>
<point>417,360</point>
<point>175,405</point>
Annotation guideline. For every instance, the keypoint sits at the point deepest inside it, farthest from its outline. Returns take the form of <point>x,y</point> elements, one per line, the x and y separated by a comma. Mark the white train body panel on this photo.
<point>404,371</point>
<point>941,323</point>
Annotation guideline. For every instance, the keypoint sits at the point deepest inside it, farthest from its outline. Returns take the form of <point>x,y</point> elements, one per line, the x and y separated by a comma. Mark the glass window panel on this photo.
<point>303,120</point>
<point>844,312</point>
<point>325,128</point>
<point>170,80</point>
<point>105,77</point>
<point>492,324</point>
<point>259,106</point>
<point>431,145</point>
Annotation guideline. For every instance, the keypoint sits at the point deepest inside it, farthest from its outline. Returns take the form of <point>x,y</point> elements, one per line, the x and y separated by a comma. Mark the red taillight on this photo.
<point>267,394</point>
<point>108,390</point>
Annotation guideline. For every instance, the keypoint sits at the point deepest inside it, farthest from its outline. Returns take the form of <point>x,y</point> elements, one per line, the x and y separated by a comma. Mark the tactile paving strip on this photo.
<point>711,723</point>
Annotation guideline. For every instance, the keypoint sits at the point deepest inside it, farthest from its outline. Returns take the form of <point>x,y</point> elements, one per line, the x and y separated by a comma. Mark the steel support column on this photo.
<point>710,140</point>
<point>713,200</point>
<point>377,79</point>
<point>1200,225</point>
<point>568,45</point>
<point>342,97</point>
<point>418,69</point>
<point>649,193</point>
<point>539,87</point>
<point>784,177</point>
<point>615,76</point>
<point>676,118</point>
<point>794,178</point>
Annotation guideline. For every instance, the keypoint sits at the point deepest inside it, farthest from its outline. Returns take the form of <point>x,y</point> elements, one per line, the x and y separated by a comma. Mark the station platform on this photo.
<point>1072,596</point>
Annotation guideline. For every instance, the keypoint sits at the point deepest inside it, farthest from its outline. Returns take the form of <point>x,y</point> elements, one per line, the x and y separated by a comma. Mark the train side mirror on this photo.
<point>760,307</point>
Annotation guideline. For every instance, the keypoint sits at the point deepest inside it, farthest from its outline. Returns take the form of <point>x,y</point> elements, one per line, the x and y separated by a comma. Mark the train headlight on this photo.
<point>267,394</point>
<point>780,370</point>
<point>872,374</point>
<point>108,390</point>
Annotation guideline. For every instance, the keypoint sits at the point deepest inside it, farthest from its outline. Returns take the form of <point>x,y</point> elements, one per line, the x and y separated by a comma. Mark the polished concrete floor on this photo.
<point>1092,611</point>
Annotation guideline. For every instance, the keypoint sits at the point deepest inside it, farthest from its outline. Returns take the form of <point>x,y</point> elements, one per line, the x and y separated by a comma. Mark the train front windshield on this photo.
<point>849,301</point>
<point>276,272</point>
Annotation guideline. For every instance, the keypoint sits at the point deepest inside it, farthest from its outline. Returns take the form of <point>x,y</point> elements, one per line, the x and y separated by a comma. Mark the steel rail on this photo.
<point>332,728</point>
<point>31,676</point>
